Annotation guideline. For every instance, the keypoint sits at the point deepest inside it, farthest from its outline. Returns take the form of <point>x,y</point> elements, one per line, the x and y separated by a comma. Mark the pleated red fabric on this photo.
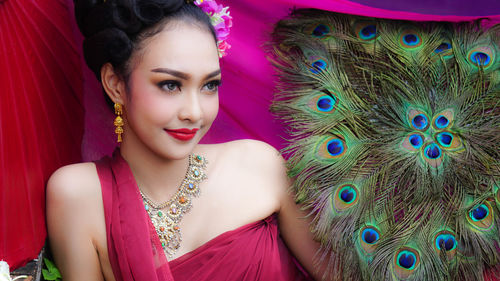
<point>134,249</point>
<point>252,252</point>
<point>41,116</point>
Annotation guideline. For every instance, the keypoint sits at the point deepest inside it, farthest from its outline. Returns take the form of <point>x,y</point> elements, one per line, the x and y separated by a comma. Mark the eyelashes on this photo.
<point>175,85</point>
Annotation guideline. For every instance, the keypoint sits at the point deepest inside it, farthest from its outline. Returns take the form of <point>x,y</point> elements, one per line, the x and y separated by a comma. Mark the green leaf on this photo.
<point>51,273</point>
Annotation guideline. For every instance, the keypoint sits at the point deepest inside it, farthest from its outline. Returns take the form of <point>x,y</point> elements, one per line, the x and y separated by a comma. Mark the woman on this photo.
<point>119,218</point>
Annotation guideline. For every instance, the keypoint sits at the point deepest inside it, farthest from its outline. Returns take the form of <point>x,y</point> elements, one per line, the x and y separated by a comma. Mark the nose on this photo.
<point>191,107</point>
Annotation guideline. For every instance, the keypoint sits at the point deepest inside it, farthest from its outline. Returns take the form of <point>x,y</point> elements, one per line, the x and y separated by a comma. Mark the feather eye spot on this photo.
<point>479,213</point>
<point>443,47</point>
<point>442,122</point>
<point>320,30</point>
<point>345,197</point>
<point>481,216</point>
<point>325,103</point>
<point>410,39</point>
<point>420,122</point>
<point>446,241</point>
<point>370,236</point>
<point>368,32</point>
<point>416,140</point>
<point>406,260</point>
<point>335,147</point>
<point>432,151</point>
<point>445,139</point>
<point>348,194</point>
<point>318,66</point>
<point>480,58</point>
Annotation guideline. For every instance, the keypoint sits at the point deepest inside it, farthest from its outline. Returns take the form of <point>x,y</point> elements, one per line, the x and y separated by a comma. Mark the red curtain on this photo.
<point>41,116</point>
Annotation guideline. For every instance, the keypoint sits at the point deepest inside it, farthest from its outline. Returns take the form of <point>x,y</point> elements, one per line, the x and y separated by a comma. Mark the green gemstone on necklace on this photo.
<point>160,214</point>
<point>147,207</point>
<point>196,172</point>
<point>198,157</point>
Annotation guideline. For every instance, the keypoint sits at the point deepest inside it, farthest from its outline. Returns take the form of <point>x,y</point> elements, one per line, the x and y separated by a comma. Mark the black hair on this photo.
<point>115,29</point>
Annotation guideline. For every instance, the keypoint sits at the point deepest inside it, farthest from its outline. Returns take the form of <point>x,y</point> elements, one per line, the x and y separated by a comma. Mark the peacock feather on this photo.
<point>393,142</point>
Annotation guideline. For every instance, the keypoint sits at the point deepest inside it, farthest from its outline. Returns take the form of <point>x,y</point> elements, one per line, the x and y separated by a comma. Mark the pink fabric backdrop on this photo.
<point>248,78</point>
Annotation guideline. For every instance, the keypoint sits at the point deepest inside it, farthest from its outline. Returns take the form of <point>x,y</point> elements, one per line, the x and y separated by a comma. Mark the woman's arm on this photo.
<point>72,221</point>
<point>293,223</point>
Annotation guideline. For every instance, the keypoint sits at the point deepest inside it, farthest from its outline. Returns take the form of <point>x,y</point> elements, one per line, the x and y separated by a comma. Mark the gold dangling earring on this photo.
<point>118,121</point>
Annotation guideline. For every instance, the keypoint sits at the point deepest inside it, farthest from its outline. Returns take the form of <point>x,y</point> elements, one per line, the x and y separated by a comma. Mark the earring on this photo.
<point>118,121</point>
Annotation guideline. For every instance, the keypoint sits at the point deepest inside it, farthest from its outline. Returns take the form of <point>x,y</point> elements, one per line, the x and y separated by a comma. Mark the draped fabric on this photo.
<point>134,249</point>
<point>41,108</point>
<point>41,116</point>
<point>252,252</point>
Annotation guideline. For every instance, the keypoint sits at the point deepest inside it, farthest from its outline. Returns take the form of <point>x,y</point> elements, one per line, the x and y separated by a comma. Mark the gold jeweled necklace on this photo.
<point>167,215</point>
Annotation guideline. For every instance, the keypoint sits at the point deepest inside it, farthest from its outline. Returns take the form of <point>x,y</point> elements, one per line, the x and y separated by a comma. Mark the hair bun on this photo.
<point>109,45</point>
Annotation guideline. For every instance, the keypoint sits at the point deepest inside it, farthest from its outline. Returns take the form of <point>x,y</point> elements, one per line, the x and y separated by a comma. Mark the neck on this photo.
<point>157,176</point>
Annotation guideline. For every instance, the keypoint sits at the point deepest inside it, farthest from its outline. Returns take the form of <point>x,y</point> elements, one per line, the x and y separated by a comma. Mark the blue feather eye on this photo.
<point>321,30</point>
<point>335,147</point>
<point>481,216</point>
<point>410,39</point>
<point>413,141</point>
<point>449,141</point>
<point>318,30</point>
<point>419,122</point>
<point>481,57</point>
<point>443,119</point>
<point>323,102</point>
<point>345,197</point>
<point>442,122</point>
<point>432,151</point>
<point>445,139</point>
<point>445,241</point>
<point>433,155</point>
<point>332,148</point>
<point>366,30</point>
<point>368,238</point>
<point>443,48</point>
<point>318,64</point>
<point>416,140</point>
<point>418,119</point>
<point>406,261</point>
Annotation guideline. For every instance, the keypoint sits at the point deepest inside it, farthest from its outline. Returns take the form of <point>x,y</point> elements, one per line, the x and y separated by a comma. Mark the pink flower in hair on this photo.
<point>221,20</point>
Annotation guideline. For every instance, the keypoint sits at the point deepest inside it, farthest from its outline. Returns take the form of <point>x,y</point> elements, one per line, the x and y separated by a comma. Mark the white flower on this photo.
<point>5,273</point>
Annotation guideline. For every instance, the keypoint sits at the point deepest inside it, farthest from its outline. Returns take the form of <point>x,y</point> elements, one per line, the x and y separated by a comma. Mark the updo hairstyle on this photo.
<point>115,29</point>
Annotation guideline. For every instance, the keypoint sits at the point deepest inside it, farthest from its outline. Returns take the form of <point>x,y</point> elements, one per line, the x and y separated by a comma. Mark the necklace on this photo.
<point>167,215</point>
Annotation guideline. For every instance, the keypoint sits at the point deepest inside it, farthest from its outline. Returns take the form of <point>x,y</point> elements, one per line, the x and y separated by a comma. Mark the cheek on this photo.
<point>211,108</point>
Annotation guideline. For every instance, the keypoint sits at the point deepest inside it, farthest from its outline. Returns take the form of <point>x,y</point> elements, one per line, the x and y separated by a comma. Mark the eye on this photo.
<point>212,86</point>
<point>169,85</point>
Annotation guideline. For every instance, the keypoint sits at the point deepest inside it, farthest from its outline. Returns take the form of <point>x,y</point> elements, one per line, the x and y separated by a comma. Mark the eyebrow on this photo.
<point>183,75</point>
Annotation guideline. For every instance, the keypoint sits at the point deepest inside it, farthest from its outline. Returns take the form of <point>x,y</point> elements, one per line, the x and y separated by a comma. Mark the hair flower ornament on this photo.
<point>221,20</point>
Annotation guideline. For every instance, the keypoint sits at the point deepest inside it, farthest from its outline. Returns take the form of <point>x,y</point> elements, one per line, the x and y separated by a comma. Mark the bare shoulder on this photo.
<point>74,182</point>
<point>75,221</point>
<point>255,153</point>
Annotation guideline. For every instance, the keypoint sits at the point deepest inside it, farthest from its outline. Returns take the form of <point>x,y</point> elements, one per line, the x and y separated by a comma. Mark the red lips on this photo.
<point>182,134</point>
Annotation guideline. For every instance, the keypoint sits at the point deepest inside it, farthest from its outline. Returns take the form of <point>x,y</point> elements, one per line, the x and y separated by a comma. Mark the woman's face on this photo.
<point>173,90</point>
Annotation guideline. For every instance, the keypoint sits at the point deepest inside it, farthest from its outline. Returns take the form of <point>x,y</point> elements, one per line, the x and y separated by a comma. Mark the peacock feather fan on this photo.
<point>393,131</point>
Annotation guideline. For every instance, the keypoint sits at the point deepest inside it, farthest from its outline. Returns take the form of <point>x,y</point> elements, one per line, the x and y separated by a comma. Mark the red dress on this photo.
<point>251,252</point>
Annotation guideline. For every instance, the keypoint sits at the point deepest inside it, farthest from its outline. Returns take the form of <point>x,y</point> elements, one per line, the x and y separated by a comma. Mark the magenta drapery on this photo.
<point>42,112</point>
<point>41,116</point>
